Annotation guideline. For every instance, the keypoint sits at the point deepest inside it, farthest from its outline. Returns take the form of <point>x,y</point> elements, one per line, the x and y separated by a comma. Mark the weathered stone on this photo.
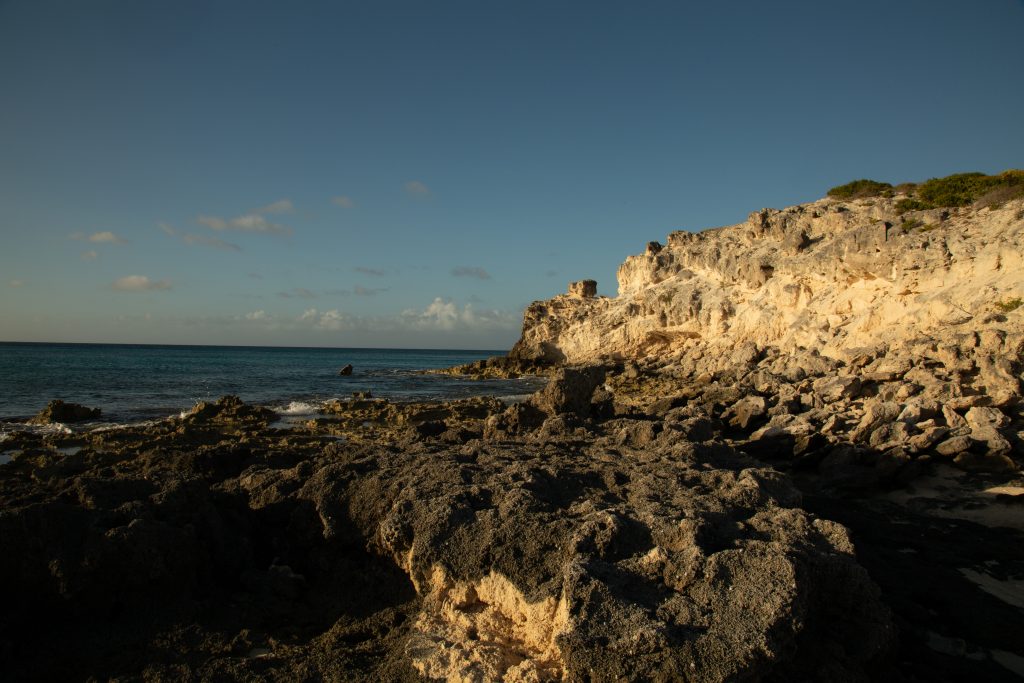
<point>833,389</point>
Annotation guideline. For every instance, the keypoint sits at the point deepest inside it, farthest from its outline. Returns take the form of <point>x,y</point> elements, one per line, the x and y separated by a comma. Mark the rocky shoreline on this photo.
<point>788,450</point>
<point>606,528</point>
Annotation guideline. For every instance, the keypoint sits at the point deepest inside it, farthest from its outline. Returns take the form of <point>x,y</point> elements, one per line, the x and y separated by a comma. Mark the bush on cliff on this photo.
<point>859,189</point>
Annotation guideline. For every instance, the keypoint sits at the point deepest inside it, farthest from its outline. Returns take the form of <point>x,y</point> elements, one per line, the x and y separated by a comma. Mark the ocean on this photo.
<point>133,383</point>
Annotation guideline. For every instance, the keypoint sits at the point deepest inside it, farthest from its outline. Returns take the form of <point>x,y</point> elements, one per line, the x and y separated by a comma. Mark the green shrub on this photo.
<point>955,190</point>
<point>962,189</point>
<point>908,204</point>
<point>859,189</point>
<point>1010,304</point>
<point>909,224</point>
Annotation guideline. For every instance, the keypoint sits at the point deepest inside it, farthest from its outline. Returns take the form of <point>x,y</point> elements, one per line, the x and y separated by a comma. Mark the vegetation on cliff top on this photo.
<point>959,189</point>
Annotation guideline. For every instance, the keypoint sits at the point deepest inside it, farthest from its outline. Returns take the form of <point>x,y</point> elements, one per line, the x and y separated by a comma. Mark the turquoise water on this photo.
<point>139,382</point>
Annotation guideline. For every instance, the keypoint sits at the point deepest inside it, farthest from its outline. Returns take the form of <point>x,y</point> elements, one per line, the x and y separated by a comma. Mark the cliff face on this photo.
<point>838,277</point>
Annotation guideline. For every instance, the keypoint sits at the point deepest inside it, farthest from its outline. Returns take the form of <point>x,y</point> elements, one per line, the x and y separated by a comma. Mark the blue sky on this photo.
<point>412,174</point>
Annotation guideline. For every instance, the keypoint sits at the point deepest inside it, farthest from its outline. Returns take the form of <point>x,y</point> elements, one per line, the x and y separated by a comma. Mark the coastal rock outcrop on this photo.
<point>57,411</point>
<point>840,277</point>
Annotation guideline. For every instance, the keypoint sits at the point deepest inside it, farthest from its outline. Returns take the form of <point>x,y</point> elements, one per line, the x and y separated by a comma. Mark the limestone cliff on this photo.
<point>838,277</point>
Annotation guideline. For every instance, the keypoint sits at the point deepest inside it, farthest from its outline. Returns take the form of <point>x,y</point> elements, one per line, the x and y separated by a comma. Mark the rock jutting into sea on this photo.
<point>787,450</point>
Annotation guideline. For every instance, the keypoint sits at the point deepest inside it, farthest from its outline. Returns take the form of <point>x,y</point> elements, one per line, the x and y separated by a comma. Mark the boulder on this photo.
<point>570,390</point>
<point>345,371</point>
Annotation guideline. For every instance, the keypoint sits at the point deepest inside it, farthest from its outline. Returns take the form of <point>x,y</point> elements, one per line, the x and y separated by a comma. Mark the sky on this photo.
<point>413,174</point>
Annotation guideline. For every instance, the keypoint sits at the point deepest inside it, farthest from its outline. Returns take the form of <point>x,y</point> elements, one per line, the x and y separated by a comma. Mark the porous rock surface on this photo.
<point>214,546</point>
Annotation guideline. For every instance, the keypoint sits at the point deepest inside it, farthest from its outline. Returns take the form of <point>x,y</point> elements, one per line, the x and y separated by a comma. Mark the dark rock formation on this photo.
<point>59,411</point>
<point>210,547</point>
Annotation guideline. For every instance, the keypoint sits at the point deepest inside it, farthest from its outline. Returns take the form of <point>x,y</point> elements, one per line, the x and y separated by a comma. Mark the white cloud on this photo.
<point>333,320</point>
<point>471,271</point>
<point>139,283</point>
<point>107,237</point>
<point>16,283</point>
<point>168,229</point>
<point>443,314</point>
<point>344,201</point>
<point>257,315</point>
<point>90,255</point>
<point>417,189</point>
<point>280,206</point>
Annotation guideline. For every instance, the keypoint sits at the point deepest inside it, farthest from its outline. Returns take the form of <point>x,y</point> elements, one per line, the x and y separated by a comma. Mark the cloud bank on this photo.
<point>253,221</point>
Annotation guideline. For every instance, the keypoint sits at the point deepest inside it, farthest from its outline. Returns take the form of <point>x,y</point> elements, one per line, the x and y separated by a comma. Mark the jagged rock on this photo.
<point>876,414</point>
<point>928,437</point>
<point>982,417</point>
<point>956,423</point>
<point>890,434</point>
<point>518,418</point>
<point>228,410</point>
<point>346,370</point>
<point>919,410</point>
<point>955,445</point>
<point>59,411</point>
<point>745,411</point>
